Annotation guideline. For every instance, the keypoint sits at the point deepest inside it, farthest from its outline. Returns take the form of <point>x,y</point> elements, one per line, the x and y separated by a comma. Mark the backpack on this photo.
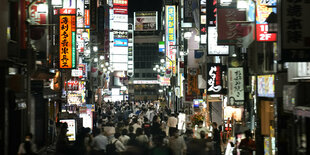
<point>111,148</point>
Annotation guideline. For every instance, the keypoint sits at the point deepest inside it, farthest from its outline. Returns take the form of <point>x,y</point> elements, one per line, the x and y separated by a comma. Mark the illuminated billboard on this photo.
<point>121,42</point>
<point>263,10</point>
<point>171,37</point>
<point>265,86</point>
<point>145,21</point>
<point>213,48</point>
<point>120,2</point>
<point>67,54</point>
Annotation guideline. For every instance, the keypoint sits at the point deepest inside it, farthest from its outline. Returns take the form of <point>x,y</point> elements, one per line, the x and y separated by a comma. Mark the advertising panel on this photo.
<point>83,67</point>
<point>38,17</point>
<point>120,34</point>
<point>295,31</point>
<point>121,42</point>
<point>188,11</point>
<point>213,48</point>
<point>72,85</point>
<point>171,37</point>
<point>265,86</point>
<point>145,21</point>
<point>74,98</point>
<point>120,10</point>
<point>203,22</point>
<point>67,36</point>
<point>76,73</point>
<point>120,2</point>
<point>163,81</point>
<point>161,47</point>
<point>68,4</point>
<point>235,86</point>
<point>263,10</point>
<point>231,112</point>
<point>119,26</point>
<point>211,12</point>
<point>228,32</point>
<point>214,79</point>
<point>71,133</point>
<point>192,84</point>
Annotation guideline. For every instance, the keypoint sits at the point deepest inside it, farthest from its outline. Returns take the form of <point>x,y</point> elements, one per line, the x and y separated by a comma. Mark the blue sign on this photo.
<point>121,42</point>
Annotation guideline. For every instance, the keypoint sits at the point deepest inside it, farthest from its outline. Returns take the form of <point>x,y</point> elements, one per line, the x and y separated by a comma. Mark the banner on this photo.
<point>214,79</point>
<point>171,38</point>
<point>295,31</point>
<point>235,86</point>
<point>213,47</point>
<point>67,36</point>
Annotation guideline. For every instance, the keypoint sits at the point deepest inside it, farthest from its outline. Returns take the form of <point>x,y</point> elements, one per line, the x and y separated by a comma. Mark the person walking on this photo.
<point>216,139</point>
<point>176,142</point>
<point>247,145</point>
<point>99,143</point>
<point>27,147</point>
<point>124,138</point>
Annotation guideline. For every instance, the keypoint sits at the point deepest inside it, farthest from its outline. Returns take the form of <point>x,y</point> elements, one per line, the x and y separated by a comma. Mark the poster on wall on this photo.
<point>71,133</point>
<point>235,86</point>
<point>265,86</point>
<point>214,78</point>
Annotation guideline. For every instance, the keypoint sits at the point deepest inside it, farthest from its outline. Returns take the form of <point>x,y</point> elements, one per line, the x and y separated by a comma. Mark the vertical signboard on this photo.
<point>211,12</point>
<point>67,54</point>
<point>188,11</point>
<point>203,22</point>
<point>214,79</point>
<point>235,86</point>
<point>263,9</point>
<point>171,37</point>
<point>295,30</point>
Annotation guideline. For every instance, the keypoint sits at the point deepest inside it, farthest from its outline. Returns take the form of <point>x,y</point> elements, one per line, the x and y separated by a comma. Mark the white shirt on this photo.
<point>124,139</point>
<point>100,142</point>
<point>118,144</point>
<point>172,122</point>
<point>135,126</point>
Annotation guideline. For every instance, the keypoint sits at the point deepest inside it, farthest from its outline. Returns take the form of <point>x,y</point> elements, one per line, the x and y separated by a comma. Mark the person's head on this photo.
<point>130,129</point>
<point>214,125</point>
<point>189,133</point>
<point>202,134</point>
<point>200,123</point>
<point>124,132</point>
<point>28,137</point>
<point>248,134</point>
<point>174,132</point>
<point>117,135</point>
<point>139,131</point>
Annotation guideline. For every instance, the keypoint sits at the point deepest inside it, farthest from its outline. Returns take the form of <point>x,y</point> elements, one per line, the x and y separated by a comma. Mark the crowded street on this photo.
<point>154,77</point>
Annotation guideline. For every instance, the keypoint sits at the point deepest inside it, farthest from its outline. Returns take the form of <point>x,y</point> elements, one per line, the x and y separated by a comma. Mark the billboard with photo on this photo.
<point>265,86</point>
<point>145,21</point>
<point>263,10</point>
<point>71,133</point>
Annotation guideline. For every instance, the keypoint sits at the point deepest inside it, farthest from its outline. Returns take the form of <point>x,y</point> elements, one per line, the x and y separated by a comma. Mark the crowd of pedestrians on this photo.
<point>138,129</point>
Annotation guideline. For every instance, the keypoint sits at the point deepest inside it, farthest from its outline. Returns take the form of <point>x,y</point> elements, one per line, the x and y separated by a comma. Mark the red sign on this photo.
<point>72,85</point>
<point>87,18</point>
<point>263,35</point>
<point>67,11</point>
<point>120,2</point>
<point>120,10</point>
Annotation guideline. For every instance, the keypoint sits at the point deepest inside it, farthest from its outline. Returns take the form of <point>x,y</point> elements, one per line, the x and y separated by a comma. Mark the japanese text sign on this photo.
<point>295,30</point>
<point>263,10</point>
<point>171,37</point>
<point>67,41</point>
<point>214,79</point>
<point>235,86</point>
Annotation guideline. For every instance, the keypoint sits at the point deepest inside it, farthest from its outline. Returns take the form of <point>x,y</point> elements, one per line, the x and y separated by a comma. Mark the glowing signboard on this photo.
<point>67,41</point>
<point>263,11</point>
<point>171,37</point>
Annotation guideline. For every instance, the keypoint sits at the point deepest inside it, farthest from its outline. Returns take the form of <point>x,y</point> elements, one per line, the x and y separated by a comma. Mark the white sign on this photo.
<point>235,86</point>
<point>71,128</point>
<point>76,73</point>
<point>145,82</point>
<point>213,48</point>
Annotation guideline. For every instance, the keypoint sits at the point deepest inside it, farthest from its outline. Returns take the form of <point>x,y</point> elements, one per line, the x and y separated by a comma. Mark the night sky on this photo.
<point>143,5</point>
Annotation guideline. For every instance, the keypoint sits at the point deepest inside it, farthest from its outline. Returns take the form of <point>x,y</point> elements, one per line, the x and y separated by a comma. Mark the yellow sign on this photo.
<point>65,41</point>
